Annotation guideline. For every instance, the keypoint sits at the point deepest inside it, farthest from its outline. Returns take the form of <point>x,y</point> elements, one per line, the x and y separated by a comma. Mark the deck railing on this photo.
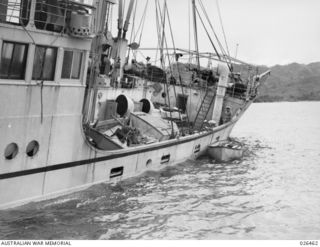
<point>15,11</point>
<point>63,16</point>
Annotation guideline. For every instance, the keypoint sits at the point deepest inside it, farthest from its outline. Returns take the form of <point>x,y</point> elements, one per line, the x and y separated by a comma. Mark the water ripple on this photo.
<point>272,193</point>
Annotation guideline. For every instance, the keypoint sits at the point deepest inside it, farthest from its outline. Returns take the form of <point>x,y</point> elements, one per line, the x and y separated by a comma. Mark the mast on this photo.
<point>163,23</point>
<point>126,24</point>
<point>120,18</point>
<point>195,32</point>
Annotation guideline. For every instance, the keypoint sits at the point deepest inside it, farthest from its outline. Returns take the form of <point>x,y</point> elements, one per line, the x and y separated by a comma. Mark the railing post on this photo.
<point>32,13</point>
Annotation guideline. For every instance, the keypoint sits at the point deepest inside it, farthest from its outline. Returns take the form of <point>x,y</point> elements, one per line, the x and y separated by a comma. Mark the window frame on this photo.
<point>44,63</point>
<point>82,57</point>
<point>24,63</point>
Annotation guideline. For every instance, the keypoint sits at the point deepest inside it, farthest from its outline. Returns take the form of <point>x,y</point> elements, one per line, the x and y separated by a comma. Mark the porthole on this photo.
<point>32,148</point>
<point>11,151</point>
<point>163,95</point>
<point>149,163</point>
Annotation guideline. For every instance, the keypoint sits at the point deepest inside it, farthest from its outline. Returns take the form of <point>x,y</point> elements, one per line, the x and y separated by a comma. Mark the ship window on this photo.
<point>32,148</point>
<point>71,65</point>
<point>44,63</point>
<point>13,60</point>
<point>11,151</point>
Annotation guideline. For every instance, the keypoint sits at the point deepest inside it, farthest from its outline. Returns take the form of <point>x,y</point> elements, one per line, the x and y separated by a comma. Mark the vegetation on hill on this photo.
<point>292,82</point>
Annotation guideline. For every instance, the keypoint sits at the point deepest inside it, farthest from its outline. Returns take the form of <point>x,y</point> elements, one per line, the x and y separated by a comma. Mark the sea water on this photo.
<point>272,193</point>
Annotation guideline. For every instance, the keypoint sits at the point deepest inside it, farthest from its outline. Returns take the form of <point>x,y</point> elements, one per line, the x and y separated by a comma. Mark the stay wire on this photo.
<point>133,27</point>
<point>215,35</point>
<point>214,47</point>
<point>162,62</point>
<point>175,54</point>
<point>141,23</point>
<point>222,27</point>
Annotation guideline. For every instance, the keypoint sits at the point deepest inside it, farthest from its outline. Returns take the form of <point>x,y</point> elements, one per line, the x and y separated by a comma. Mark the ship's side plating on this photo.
<point>41,104</point>
<point>52,180</point>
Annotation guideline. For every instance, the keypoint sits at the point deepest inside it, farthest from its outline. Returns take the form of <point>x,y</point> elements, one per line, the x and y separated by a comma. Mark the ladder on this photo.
<point>204,109</point>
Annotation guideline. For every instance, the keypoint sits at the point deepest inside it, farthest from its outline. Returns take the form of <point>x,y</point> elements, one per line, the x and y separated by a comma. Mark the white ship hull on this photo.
<point>62,178</point>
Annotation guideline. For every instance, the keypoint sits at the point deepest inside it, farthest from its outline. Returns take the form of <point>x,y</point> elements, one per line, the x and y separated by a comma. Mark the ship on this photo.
<point>78,107</point>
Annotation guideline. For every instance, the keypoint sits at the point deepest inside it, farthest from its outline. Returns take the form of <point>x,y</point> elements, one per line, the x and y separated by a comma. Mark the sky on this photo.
<point>268,32</point>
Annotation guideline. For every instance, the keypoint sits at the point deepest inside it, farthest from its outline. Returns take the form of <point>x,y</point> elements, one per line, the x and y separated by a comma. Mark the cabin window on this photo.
<point>13,60</point>
<point>44,63</point>
<point>71,67</point>
<point>15,11</point>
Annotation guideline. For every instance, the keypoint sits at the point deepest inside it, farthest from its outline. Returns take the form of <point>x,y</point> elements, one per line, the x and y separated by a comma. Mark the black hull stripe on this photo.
<point>95,160</point>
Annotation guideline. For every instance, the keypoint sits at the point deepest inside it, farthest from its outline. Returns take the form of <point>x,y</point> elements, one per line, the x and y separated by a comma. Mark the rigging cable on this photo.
<point>158,31</point>
<point>162,16</point>
<point>175,54</point>
<point>159,22</point>
<point>163,29</point>
<point>141,23</point>
<point>189,29</point>
<point>210,24</point>
<point>214,47</point>
<point>195,33</point>
<point>224,34</point>
<point>133,26</point>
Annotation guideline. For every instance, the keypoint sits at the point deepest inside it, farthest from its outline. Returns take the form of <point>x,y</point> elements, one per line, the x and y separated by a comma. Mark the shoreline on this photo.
<point>286,101</point>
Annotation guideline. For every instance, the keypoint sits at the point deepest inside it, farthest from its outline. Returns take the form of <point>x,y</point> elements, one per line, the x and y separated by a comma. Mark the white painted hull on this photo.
<point>55,180</point>
<point>66,162</point>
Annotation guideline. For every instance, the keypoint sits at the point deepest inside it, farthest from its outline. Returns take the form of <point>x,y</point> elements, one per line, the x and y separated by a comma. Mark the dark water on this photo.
<point>272,193</point>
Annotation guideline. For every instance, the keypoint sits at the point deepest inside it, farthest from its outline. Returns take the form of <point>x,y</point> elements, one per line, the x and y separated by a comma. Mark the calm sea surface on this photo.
<point>273,193</point>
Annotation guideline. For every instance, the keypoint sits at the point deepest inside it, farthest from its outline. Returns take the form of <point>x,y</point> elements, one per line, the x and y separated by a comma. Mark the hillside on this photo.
<point>292,82</point>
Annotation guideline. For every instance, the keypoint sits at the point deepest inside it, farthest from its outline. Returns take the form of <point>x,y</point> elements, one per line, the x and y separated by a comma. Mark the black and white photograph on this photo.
<point>159,120</point>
